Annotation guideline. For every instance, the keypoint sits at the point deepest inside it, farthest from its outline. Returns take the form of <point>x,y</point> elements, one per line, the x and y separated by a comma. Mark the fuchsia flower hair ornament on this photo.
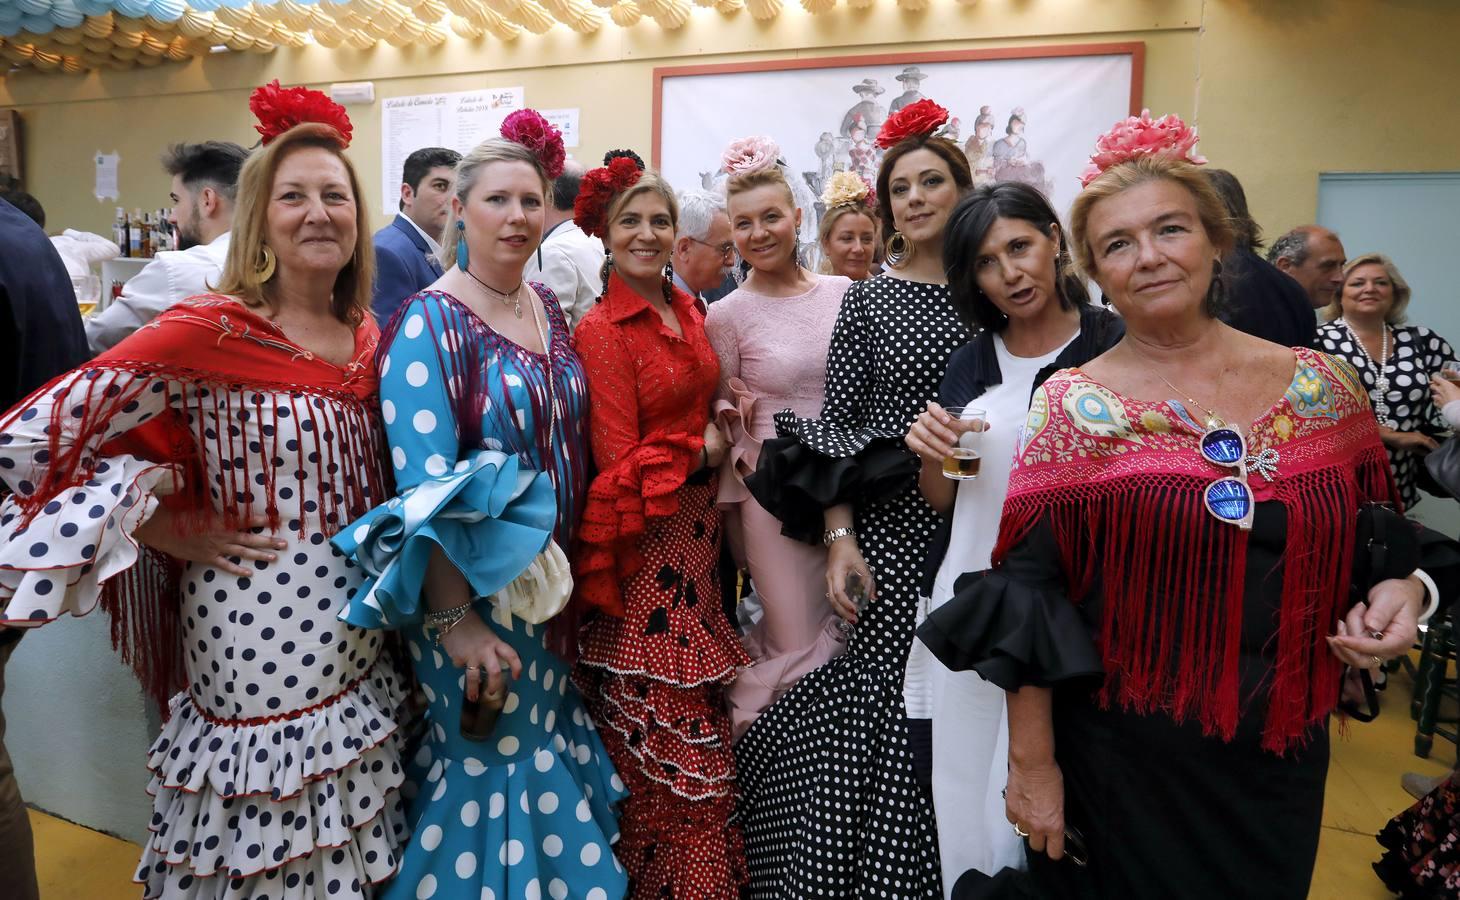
<point>529,128</point>
<point>1167,137</point>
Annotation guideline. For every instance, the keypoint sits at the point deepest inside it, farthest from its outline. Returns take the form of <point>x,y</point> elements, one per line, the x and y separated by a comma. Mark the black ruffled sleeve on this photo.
<point>1015,625</point>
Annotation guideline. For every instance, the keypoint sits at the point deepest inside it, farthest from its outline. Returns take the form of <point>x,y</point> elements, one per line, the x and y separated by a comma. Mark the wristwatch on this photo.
<point>836,534</point>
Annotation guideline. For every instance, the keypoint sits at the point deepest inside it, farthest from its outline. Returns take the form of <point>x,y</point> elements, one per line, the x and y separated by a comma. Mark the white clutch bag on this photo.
<point>542,590</point>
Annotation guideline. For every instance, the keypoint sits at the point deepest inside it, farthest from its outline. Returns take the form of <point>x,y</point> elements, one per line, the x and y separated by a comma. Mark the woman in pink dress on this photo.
<point>771,336</point>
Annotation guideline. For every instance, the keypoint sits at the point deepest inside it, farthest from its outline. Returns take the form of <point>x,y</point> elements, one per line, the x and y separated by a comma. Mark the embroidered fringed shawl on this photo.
<point>218,362</point>
<point>1119,482</point>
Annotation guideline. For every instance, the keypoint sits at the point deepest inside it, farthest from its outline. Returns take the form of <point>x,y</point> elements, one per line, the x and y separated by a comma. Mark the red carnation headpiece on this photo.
<point>279,109</point>
<point>528,128</point>
<point>1139,136</point>
<point>914,120</point>
<point>599,187</point>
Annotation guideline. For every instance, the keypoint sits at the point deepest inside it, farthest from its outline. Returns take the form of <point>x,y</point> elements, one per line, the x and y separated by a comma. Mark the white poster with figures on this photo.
<point>1030,114</point>
<point>458,121</point>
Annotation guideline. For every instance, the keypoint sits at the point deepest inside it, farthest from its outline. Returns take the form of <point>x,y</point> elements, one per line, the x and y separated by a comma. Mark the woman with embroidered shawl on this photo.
<point>1169,604</point>
<point>656,659</point>
<point>485,405</point>
<point>188,480</point>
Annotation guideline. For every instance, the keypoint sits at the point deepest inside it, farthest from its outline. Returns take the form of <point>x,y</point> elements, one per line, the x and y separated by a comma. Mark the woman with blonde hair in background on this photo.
<point>771,337</point>
<point>848,229</point>
<point>1395,361</point>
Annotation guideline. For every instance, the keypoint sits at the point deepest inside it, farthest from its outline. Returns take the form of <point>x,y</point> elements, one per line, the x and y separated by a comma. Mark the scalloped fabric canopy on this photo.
<point>75,36</point>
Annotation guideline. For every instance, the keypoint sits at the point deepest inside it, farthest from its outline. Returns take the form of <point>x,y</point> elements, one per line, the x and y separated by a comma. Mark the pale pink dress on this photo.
<point>772,357</point>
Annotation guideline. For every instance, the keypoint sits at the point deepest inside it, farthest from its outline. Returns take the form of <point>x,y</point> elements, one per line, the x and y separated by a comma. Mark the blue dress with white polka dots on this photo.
<point>530,812</point>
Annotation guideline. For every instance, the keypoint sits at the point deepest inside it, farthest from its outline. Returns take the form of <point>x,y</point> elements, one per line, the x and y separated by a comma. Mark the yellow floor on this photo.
<point>1363,792</point>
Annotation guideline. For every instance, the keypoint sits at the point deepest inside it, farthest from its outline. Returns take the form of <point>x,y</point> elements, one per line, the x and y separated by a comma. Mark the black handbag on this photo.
<point>1386,545</point>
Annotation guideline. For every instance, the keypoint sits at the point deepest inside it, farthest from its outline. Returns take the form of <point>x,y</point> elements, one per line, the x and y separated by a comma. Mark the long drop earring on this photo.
<point>898,251</point>
<point>668,282</point>
<point>461,253</point>
<point>606,270</point>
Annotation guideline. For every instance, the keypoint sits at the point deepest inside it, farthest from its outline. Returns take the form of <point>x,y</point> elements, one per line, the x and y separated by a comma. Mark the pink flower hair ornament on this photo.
<point>529,128</point>
<point>750,154</point>
<point>1167,137</point>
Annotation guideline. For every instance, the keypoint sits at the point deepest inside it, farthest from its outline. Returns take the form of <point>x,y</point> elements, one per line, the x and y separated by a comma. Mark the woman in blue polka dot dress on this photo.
<point>484,403</point>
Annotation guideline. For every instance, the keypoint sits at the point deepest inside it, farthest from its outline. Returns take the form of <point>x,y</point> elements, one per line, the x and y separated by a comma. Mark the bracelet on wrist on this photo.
<point>443,620</point>
<point>831,537</point>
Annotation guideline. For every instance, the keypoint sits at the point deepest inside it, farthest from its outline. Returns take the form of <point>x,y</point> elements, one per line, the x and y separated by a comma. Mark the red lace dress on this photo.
<point>653,666</point>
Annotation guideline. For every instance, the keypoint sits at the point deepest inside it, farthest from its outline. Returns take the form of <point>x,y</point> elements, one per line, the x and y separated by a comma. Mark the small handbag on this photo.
<point>1386,545</point>
<point>1443,466</point>
<point>541,591</point>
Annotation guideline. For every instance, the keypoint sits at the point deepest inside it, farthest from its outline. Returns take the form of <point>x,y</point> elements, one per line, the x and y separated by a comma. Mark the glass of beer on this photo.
<point>1450,371</point>
<point>963,463</point>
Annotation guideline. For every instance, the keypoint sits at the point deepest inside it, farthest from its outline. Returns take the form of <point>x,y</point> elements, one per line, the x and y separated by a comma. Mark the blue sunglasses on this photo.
<point>1229,498</point>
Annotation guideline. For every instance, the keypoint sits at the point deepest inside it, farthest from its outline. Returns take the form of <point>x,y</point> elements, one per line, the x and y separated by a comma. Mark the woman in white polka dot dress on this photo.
<point>230,437</point>
<point>829,797</point>
<point>1394,360</point>
<point>484,404</point>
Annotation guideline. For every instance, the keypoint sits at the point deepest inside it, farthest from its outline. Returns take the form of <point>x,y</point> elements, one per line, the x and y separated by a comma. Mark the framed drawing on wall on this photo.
<point>1029,113</point>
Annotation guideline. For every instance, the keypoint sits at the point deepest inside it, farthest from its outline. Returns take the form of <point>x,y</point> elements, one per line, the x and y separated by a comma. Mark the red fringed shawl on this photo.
<point>1119,481</point>
<point>211,351</point>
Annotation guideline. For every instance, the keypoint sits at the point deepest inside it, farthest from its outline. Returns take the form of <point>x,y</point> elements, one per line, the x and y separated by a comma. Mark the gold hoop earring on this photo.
<point>898,251</point>
<point>264,268</point>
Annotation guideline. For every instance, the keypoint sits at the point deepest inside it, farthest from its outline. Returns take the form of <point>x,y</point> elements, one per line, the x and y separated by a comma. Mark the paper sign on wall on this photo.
<point>566,121</point>
<point>106,176</point>
<point>458,120</point>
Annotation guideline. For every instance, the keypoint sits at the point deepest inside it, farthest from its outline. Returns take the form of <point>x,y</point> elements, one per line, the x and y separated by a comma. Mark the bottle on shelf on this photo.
<point>134,234</point>
<point>119,231</point>
<point>165,228</point>
<point>148,232</point>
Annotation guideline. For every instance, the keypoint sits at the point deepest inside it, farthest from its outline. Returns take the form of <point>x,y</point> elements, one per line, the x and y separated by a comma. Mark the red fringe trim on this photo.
<point>1172,578</point>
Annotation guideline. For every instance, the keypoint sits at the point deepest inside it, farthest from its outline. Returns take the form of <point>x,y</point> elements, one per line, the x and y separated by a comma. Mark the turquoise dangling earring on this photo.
<point>461,259</point>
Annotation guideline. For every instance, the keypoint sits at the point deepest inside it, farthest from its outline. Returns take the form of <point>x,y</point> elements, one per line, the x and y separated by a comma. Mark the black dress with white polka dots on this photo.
<point>830,804</point>
<point>1416,353</point>
<point>277,774</point>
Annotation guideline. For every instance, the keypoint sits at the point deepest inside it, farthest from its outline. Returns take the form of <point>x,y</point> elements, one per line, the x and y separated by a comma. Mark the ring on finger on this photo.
<point>1019,831</point>
<point>1378,660</point>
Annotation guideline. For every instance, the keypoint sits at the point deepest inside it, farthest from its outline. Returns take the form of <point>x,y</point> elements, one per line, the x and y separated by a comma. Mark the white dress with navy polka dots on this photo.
<point>1416,354</point>
<point>277,774</point>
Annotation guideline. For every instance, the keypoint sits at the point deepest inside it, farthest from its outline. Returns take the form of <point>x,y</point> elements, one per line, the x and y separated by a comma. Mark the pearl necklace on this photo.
<point>1381,377</point>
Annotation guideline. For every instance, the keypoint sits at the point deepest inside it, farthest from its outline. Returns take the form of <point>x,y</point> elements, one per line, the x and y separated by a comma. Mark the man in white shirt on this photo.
<point>568,262</point>
<point>204,185</point>
<point>703,250</point>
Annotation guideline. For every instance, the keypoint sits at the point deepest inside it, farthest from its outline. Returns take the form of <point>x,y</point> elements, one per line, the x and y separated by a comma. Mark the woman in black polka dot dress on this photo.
<point>188,480</point>
<point>829,799</point>
<point>1395,361</point>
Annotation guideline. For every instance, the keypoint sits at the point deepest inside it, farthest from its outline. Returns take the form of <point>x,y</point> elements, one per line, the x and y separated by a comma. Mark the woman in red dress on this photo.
<point>655,661</point>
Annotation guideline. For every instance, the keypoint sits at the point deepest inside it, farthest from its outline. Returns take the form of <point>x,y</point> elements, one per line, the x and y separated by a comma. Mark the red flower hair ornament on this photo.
<point>599,187</point>
<point>1138,136</point>
<point>279,109</point>
<point>529,128</point>
<point>914,120</point>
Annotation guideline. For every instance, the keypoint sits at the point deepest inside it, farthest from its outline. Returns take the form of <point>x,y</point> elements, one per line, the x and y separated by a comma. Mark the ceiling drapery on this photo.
<point>75,36</point>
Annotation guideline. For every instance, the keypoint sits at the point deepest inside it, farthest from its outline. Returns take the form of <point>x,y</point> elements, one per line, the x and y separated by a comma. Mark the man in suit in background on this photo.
<point>405,250</point>
<point>40,337</point>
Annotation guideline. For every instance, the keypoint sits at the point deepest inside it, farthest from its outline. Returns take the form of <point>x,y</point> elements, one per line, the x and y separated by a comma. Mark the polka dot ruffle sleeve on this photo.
<point>55,561</point>
<point>490,515</point>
